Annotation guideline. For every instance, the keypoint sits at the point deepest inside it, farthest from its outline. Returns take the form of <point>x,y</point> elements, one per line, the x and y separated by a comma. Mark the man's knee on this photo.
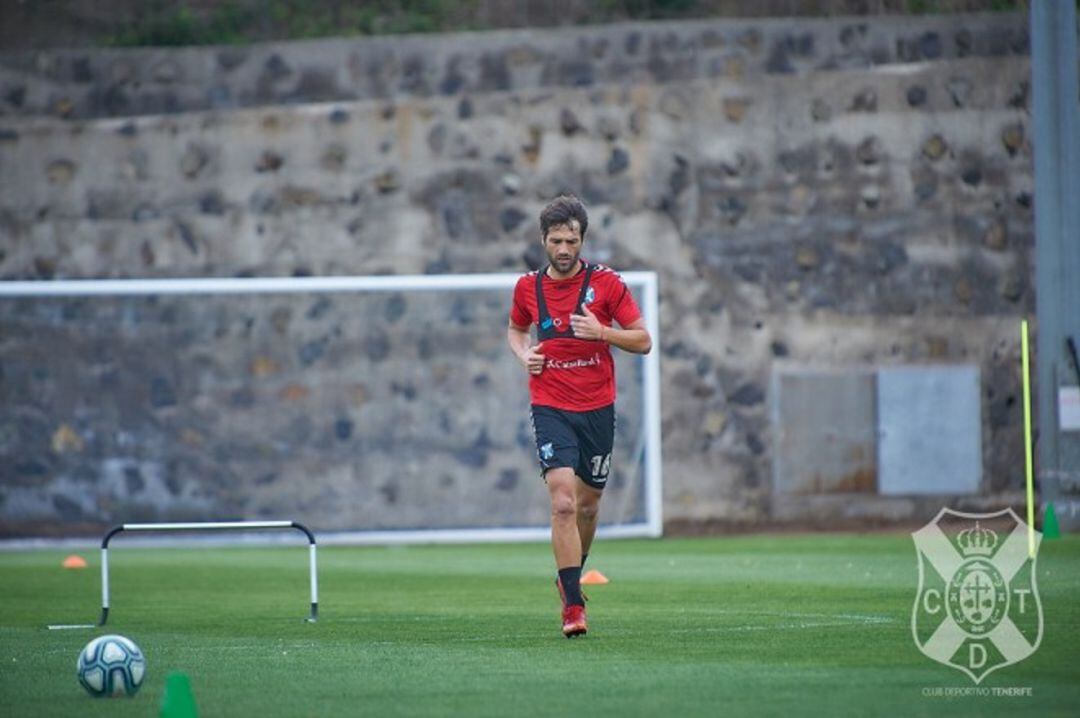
<point>564,504</point>
<point>588,510</point>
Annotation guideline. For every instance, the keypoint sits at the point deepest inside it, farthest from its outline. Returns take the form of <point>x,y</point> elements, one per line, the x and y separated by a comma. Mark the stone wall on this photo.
<point>835,193</point>
<point>117,83</point>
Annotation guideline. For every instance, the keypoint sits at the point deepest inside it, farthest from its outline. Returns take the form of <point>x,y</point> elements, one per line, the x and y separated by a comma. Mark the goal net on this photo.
<point>374,409</point>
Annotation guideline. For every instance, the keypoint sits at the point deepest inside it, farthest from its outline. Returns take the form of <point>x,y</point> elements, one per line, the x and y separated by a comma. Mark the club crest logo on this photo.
<point>977,608</point>
<point>590,296</point>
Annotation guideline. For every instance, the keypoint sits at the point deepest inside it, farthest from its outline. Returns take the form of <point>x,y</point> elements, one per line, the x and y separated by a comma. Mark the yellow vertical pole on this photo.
<point>1025,362</point>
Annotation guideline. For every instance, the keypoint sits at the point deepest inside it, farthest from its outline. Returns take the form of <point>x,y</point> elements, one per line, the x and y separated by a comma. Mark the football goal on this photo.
<point>376,409</point>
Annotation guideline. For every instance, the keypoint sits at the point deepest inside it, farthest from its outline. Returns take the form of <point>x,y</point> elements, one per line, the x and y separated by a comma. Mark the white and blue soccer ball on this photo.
<point>111,666</point>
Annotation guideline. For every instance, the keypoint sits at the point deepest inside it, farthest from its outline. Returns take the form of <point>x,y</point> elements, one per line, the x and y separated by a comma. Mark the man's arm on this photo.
<point>521,344</point>
<point>634,337</point>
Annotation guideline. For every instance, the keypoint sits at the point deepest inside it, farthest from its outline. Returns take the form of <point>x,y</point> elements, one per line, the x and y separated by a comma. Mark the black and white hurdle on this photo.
<point>207,526</point>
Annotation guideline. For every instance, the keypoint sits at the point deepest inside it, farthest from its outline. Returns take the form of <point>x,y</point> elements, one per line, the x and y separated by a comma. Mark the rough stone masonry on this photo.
<point>849,193</point>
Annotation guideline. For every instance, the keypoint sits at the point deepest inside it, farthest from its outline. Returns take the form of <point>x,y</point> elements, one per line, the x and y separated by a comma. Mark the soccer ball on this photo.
<point>111,666</point>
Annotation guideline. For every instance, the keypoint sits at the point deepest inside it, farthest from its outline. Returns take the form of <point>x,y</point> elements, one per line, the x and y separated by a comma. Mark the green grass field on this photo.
<point>751,625</point>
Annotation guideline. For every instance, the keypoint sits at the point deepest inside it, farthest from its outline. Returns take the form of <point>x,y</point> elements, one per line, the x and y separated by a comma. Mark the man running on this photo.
<point>574,306</point>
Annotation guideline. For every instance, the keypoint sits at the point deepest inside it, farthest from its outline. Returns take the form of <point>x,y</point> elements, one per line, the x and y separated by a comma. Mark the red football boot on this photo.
<point>573,621</point>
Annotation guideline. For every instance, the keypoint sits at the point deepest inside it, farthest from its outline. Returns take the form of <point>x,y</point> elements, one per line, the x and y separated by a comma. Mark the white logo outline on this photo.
<point>949,637</point>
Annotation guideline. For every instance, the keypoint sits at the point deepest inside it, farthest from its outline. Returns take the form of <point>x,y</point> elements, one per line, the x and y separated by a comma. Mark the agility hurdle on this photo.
<point>207,526</point>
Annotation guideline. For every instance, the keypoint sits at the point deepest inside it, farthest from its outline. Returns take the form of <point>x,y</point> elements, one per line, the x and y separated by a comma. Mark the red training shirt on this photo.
<point>578,375</point>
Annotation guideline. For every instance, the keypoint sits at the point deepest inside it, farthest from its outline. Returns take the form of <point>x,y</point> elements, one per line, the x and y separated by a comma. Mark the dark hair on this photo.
<point>563,210</point>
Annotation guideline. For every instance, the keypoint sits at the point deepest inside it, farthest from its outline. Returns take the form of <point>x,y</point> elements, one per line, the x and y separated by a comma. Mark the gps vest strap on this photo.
<point>545,325</point>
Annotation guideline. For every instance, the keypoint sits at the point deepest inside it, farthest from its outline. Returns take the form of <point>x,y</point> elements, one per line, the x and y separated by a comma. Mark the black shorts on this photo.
<point>581,440</point>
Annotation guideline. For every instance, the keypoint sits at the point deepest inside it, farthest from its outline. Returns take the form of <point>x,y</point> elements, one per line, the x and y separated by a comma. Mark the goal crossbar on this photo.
<point>207,526</point>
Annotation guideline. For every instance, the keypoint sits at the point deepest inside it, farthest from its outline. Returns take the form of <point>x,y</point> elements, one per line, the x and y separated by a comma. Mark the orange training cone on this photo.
<point>594,578</point>
<point>74,561</point>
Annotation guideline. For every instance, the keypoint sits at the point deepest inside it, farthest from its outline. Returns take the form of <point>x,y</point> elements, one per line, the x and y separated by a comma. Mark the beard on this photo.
<point>563,263</point>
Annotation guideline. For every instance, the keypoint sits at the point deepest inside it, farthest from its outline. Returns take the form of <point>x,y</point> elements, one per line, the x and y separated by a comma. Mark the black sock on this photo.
<point>583,557</point>
<point>570,578</point>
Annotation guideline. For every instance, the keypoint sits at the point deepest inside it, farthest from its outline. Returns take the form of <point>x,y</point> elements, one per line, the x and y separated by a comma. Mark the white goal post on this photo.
<point>645,282</point>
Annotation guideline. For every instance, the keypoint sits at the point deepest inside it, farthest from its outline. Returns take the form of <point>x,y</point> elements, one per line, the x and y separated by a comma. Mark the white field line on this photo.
<point>851,617</point>
<point>708,629</point>
<point>778,626</point>
<point>838,621</point>
<point>832,621</point>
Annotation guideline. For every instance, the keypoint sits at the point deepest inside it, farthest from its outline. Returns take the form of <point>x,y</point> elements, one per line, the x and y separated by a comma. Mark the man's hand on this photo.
<point>587,326</point>
<point>533,359</point>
